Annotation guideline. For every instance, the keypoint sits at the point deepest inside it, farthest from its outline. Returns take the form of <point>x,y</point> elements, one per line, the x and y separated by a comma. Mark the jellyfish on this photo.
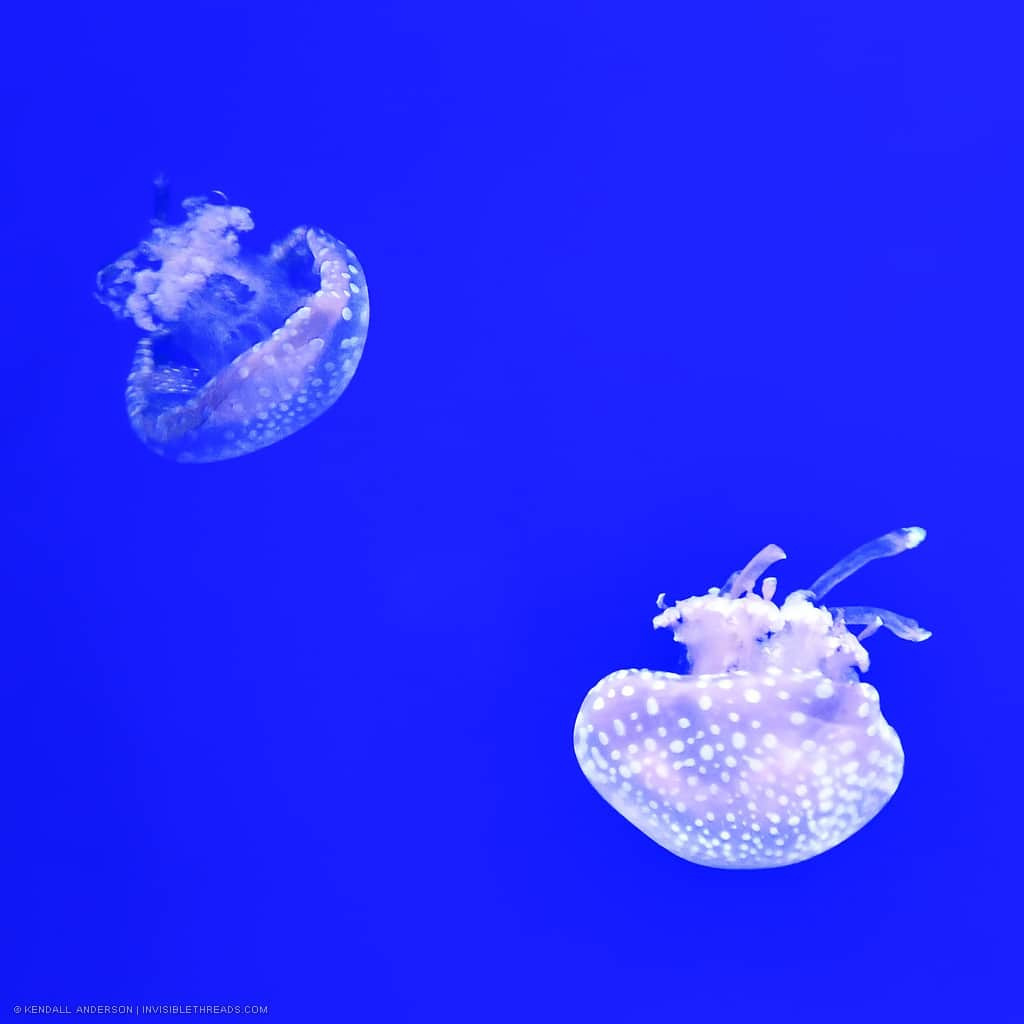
<point>238,349</point>
<point>771,750</point>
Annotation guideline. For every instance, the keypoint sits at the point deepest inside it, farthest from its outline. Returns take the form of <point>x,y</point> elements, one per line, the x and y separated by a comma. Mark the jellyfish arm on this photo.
<point>901,626</point>
<point>893,543</point>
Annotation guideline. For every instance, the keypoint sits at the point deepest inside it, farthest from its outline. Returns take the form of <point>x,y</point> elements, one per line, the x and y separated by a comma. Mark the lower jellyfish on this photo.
<point>240,349</point>
<point>772,750</point>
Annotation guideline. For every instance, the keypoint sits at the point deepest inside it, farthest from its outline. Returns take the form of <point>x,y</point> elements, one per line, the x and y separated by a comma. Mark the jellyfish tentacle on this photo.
<point>902,626</point>
<point>893,543</point>
<point>870,630</point>
<point>743,581</point>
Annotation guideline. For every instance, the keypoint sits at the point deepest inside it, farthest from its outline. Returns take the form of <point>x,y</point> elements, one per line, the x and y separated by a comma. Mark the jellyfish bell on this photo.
<point>771,750</point>
<point>239,350</point>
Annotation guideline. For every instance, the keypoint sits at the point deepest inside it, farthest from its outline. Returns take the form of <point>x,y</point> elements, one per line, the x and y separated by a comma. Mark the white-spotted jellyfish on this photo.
<point>239,350</point>
<point>771,750</point>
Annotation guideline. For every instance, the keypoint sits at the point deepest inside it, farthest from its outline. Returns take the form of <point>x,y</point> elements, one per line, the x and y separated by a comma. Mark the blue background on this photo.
<point>652,287</point>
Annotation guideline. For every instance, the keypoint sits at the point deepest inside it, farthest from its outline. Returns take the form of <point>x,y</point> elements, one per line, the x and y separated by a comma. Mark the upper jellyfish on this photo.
<point>238,349</point>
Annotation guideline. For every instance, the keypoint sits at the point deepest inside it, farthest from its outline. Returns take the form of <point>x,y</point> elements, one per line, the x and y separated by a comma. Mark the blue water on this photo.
<point>653,286</point>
